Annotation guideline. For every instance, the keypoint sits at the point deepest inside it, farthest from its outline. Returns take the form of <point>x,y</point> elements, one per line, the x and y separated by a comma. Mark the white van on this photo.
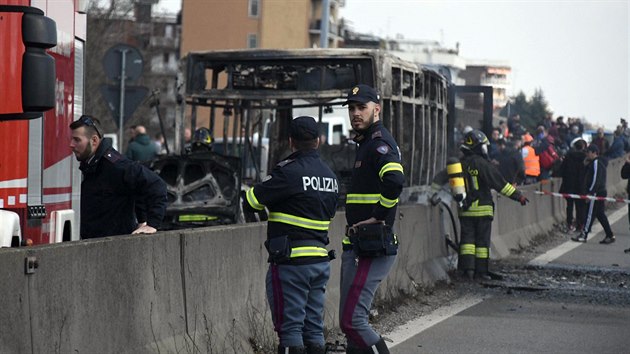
<point>335,121</point>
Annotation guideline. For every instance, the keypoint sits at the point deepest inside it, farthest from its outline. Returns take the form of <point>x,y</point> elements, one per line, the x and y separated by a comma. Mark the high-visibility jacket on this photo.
<point>480,177</point>
<point>377,177</point>
<point>531,160</point>
<point>301,194</point>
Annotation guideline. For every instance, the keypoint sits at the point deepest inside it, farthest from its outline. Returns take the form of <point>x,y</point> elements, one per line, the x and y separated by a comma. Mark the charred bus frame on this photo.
<point>251,87</point>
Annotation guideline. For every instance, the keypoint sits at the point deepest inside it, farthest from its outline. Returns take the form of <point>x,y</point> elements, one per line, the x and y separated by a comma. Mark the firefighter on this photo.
<point>370,246</point>
<point>477,210</point>
<point>301,194</point>
<point>202,140</point>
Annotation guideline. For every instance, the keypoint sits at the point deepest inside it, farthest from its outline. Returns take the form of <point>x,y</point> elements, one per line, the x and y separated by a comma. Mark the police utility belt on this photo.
<point>282,249</point>
<point>372,240</point>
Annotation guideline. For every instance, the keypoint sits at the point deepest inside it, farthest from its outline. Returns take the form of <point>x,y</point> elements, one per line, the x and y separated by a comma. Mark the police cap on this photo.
<point>304,128</point>
<point>363,94</point>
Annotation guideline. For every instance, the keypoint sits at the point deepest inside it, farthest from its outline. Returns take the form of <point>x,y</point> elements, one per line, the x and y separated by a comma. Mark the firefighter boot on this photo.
<point>291,350</point>
<point>314,348</point>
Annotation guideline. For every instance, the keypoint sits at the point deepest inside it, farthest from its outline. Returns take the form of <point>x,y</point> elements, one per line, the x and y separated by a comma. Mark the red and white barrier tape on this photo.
<point>589,197</point>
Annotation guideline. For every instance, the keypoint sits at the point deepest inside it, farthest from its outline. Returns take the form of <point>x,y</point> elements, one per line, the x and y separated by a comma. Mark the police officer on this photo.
<point>112,184</point>
<point>301,194</point>
<point>477,210</point>
<point>377,181</point>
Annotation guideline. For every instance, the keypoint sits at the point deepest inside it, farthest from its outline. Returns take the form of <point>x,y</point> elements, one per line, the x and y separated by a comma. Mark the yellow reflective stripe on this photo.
<point>482,252</point>
<point>476,213</point>
<point>467,249</point>
<point>362,198</point>
<point>308,251</point>
<point>346,240</point>
<point>299,221</point>
<point>475,182</point>
<point>253,202</point>
<point>508,189</point>
<point>388,203</point>
<point>196,217</point>
<point>478,210</point>
<point>388,167</point>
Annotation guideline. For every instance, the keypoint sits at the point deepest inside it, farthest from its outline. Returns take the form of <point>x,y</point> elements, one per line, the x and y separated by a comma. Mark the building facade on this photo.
<point>239,24</point>
<point>488,73</point>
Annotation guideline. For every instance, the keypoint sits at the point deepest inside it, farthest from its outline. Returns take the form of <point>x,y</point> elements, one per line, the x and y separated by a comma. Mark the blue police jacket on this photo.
<point>301,194</point>
<point>377,177</point>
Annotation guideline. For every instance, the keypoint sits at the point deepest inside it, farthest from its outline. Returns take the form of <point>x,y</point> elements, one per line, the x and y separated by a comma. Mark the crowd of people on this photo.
<point>544,150</point>
<point>559,149</point>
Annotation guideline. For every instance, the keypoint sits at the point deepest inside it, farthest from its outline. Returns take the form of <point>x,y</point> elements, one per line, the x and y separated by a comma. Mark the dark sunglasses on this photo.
<point>90,122</point>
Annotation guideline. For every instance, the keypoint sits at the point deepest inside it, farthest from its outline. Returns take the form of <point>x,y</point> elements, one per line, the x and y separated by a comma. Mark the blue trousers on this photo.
<point>360,277</point>
<point>296,298</point>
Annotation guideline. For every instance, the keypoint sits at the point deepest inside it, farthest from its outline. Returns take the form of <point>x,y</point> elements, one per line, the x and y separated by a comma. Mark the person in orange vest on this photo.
<point>531,160</point>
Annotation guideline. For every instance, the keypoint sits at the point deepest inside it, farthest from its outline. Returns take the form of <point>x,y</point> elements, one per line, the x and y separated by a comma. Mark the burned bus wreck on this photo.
<point>247,99</point>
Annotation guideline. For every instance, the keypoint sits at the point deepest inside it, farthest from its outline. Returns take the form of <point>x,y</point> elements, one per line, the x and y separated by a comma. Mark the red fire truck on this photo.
<point>42,46</point>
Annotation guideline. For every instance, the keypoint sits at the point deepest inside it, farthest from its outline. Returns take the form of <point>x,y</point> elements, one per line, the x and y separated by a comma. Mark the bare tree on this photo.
<point>110,23</point>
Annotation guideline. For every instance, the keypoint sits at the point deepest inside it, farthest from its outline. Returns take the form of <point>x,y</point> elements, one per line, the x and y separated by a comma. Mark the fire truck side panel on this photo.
<point>48,170</point>
<point>13,163</point>
<point>11,65</point>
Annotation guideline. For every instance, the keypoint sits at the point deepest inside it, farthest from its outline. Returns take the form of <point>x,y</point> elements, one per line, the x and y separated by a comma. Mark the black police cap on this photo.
<point>304,128</point>
<point>363,94</point>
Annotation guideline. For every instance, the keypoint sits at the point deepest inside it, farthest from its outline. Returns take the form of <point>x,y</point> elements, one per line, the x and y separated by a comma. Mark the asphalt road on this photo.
<point>575,298</point>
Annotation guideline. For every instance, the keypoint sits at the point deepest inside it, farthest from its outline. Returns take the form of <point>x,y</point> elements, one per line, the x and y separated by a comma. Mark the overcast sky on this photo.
<point>577,52</point>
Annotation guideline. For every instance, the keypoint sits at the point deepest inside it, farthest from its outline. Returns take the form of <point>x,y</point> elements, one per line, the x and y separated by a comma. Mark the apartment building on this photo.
<point>488,73</point>
<point>238,24</point>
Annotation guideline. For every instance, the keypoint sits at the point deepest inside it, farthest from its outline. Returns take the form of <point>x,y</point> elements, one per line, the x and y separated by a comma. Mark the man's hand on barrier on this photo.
<point>523,200</point>
<point>144,229</point>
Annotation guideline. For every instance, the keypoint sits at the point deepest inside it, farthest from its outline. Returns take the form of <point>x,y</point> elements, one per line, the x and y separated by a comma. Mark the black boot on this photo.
<point>314,348</point>
<point>381,347</point>
<point>355,350</point>
<point>291,350</point>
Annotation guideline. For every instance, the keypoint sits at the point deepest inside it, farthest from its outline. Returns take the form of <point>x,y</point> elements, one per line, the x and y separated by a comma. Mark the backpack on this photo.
<point>548,157</point>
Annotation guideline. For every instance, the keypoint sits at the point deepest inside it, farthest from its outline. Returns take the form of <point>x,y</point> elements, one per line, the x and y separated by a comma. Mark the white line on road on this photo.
<point>413,327</point>
<point>557,252</point>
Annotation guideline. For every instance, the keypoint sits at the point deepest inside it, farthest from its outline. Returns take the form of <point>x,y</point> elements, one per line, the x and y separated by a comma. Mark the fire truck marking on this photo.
<point>15,183</point>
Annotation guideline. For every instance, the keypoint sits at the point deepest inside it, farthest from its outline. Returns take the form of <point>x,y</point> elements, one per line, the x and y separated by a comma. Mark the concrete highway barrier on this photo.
<point>203,290</point>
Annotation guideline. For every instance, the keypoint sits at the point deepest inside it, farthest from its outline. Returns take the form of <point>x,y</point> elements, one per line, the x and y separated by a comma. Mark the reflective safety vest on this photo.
<point>531,160</point>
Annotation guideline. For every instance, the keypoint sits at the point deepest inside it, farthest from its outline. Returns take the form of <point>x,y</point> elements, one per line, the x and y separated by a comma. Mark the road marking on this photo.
<point>416,326</point>
<point>557,252</point>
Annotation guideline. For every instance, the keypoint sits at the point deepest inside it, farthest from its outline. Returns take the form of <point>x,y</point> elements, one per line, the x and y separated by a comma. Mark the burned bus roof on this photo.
<point>259,74</point>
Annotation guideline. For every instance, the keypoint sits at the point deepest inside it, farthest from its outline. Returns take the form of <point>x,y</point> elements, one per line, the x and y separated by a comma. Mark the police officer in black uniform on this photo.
<point>112,184</point>
<point>301,194</point>
<point>477,210</point>
<point>370,245</point>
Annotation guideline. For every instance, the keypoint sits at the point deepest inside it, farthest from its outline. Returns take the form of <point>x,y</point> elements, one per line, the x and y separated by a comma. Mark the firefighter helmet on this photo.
<point>475,141</point>
<point>202,139</point>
